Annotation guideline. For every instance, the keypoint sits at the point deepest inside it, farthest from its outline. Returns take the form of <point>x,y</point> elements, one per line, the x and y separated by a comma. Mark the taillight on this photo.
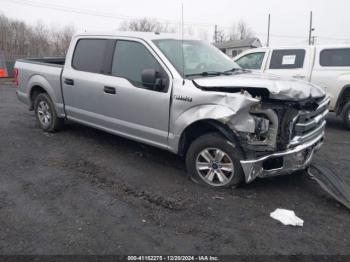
<point>2,73</point>
<point>15,75</point>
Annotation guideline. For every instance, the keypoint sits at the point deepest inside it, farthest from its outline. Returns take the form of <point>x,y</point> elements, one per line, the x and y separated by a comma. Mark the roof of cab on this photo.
<point>133,34</point>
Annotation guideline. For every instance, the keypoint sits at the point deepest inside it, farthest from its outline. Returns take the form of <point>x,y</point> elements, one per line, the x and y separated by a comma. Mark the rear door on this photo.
<point>84,79</point>
<point>291,62</point>
<point>142,111</point>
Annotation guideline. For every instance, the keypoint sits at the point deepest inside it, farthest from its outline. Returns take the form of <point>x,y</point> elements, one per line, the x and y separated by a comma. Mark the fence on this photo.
<point>3,66</point>
<point>9,62</point>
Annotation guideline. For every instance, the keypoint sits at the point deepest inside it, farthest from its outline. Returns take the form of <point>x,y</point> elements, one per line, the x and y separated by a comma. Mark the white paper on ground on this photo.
<point>287,217</point>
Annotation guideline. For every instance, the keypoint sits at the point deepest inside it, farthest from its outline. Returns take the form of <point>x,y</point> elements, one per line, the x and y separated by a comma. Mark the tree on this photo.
<point>146,25</point>
<point>220,36</point>
<point>18,39</point>
<point>61,39</point>
<point>240,31</point>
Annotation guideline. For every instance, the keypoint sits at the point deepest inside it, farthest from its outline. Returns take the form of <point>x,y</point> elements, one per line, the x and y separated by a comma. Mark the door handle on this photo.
<point>109,90</point>
<point>69,82</point>
<point>299,76</point>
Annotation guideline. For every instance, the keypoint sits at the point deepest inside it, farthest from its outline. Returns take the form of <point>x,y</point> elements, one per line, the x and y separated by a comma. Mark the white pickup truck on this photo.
<point>325,66</point>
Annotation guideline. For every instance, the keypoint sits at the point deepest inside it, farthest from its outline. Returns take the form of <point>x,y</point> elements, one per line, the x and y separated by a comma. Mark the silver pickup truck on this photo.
<point>180,95</point>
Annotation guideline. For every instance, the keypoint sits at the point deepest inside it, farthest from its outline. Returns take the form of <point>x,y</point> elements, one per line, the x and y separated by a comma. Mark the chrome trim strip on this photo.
<point>300,139</point>
<point>314,122</point>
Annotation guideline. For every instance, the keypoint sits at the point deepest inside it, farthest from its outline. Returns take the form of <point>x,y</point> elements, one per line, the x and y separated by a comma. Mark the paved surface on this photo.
<point>82,191</point>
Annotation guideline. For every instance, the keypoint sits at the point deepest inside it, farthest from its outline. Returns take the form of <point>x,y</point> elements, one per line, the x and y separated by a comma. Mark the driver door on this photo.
<point>138,111</point>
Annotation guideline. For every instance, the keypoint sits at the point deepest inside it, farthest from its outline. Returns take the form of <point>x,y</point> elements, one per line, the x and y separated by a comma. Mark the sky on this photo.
<point>289,18</point>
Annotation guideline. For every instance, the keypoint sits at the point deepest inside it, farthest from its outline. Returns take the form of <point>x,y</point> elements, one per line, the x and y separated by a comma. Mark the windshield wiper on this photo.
<point>208,73</point>
<point>236,69</point>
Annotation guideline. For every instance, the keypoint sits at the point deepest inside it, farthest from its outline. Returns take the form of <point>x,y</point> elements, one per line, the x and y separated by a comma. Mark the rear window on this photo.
<point>287,59</point>
<point>335,57</point>
<point>89,55</point>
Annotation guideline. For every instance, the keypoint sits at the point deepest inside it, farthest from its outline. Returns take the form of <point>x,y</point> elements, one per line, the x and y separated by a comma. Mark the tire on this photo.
<point>46,115</point>
<point>209,169</point>
<point>346,115</point>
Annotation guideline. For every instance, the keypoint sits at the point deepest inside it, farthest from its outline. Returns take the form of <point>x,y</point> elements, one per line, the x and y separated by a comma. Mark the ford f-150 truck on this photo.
<point>325,66</point>
<point>181,95</point>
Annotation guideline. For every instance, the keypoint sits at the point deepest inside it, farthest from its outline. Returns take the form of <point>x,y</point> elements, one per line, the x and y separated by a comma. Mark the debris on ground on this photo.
<point>331,183</point>
<point>287,217</point>
<point>218,197</point>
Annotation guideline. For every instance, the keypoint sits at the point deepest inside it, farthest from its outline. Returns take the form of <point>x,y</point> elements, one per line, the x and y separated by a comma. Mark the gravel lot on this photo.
<point>82,191</point>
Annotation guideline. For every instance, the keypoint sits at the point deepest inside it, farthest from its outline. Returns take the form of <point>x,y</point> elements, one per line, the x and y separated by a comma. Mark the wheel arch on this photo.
<point>34,92</point>
<point>36,85</point>
<point>204,126</point>
<point>343,97</point>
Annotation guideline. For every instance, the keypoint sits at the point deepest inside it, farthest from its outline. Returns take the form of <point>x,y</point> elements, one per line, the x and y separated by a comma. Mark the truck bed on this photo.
<point>53,61</point>
<point>41,72</point>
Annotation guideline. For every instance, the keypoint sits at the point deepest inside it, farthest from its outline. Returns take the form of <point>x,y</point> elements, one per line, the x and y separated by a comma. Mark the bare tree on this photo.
<point>60,39</point>
<point>244,31</point>
<point>18,39</point>
<point>240,31</point>
<point>146,25</point>
<point>220,36</point>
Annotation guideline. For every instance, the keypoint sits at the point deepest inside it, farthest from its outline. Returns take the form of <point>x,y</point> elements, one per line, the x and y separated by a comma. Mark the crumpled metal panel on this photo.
<point>281,88</point>
<point>332,183</point>
<point>228,108</point>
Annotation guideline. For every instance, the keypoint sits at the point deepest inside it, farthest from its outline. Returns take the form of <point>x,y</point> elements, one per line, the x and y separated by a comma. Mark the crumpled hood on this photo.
<point>281,88</point>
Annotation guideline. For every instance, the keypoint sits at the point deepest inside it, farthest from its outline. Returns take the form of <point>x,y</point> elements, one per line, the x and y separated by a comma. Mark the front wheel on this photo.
<point>214,161</point>
<point>46,114</point>
<point>346,115</point>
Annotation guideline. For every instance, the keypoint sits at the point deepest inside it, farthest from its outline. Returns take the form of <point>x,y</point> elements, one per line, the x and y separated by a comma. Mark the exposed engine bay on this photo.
<point>270,124</point>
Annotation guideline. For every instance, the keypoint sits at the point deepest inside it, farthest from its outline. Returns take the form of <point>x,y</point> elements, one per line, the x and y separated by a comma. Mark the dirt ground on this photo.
<point>83,191</point>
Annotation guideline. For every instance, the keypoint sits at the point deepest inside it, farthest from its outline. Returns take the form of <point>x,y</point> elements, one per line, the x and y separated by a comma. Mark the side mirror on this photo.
<point>152,79</point>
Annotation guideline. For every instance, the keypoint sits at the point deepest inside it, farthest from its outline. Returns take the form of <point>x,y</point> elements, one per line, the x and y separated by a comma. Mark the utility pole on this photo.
<point>268,30</point>
<point>310,29</point>
<point>216,34</point>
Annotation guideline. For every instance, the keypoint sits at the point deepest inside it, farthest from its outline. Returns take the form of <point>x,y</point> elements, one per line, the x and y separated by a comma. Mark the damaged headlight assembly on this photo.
<point>256,126</point>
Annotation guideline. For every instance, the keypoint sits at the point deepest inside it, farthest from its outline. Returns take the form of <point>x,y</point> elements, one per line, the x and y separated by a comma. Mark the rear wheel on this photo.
<point>346,115</point>
<point>46,114</point>
<point>214,161</point>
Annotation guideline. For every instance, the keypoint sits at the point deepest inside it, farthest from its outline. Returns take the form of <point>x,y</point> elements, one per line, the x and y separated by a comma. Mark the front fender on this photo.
<point>240,118</point>
<point>198,113</point>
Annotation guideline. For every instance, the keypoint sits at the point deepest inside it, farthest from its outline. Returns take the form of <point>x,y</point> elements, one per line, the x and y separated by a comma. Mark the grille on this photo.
<point>308,125</point>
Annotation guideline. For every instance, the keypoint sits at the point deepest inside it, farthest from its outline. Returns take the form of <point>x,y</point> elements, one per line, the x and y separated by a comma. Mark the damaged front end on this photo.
<point>277,136</point>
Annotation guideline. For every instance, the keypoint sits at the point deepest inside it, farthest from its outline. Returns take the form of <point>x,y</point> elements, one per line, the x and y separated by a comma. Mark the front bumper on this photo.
<point>282,163</point>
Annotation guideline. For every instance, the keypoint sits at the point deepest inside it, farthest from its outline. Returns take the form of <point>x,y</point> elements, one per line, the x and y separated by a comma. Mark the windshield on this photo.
<point>198,57</point>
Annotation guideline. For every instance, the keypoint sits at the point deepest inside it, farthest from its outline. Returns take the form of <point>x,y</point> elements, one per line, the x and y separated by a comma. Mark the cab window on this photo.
<point>89,55</point>
<point>130,59</point>
<point>335,57</point>
<point>287,59</point>
<point>251,61</point>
